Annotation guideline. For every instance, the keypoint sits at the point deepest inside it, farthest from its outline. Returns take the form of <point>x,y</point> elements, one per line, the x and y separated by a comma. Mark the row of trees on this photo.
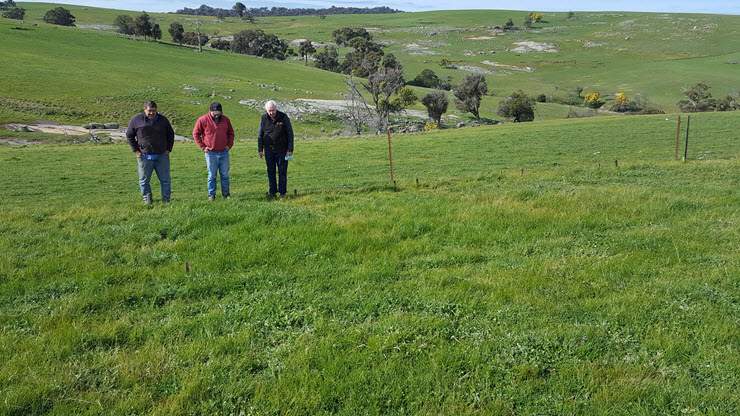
<point>142,25</point>
<point>240,10</point>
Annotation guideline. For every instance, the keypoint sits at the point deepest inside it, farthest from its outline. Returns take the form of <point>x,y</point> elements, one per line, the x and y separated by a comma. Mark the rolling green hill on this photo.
<point>98,74</point>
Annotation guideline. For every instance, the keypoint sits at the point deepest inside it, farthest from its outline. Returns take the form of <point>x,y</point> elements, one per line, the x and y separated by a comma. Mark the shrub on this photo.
<point>17,13</point>
<point>542,98</point>
<point>518,106</point>
<point>221,44</point>
<point>593,100</point>
<point>191,38</point>
<point>535,16</point>
<point>427,79</point>
<point>621,103</point>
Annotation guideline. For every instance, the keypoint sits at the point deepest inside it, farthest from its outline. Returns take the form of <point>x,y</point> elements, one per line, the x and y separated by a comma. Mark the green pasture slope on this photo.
<point>524,274</point>
<point>82,74</point>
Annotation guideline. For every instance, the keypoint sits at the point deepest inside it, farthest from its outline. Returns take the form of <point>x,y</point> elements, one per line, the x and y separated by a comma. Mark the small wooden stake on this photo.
<point>686,149</point>
<point>616,163</point>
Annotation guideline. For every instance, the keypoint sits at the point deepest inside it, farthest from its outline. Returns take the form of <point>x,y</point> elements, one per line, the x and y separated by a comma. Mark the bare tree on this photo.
<point>358,112</point>
<point>197,29</point>
<point>381,86</point>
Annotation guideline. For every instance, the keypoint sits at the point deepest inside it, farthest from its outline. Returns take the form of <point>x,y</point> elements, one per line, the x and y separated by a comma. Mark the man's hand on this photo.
<point>166,152</point>
<point>260,153</point>
<point>227,148</point>
<point>138,153</point>
<point>207,150</point>
<point>288,153</point>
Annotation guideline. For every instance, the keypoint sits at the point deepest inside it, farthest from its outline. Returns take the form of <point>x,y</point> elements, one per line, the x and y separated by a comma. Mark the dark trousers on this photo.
<point>277,160</point>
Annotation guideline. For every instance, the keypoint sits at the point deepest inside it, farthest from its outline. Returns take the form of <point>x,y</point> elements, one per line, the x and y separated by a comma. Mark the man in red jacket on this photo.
<point>214,134</point>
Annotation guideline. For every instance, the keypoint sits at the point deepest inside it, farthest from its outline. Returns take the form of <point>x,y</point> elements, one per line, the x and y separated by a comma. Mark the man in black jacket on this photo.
<point>275,142</point>
<point>151,137</point>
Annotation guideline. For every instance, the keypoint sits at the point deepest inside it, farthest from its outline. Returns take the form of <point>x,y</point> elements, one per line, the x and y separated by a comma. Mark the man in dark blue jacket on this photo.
<point>275,142</point>
<point>151,137</point>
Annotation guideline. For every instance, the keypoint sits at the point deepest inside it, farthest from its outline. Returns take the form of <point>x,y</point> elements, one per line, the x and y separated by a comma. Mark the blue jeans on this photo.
<point>277,159</point>
<point>218,163</point>
<point>161,166</point>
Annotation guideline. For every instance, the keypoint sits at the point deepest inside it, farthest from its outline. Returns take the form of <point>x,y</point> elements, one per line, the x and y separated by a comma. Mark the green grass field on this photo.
<point>546,268</point>
<point>575,287</point>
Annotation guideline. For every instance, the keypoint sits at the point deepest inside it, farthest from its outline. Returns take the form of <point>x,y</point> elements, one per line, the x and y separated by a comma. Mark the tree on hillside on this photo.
<point>142,25</point>
<point>382,85</point>
<point>258,43</point>
<point>156,32</point>
<point>327,59</point>
<point>239,8</point>
<point>17,13</point>
<point>528,21</point>
<point>306,48</point>
<point>344,35</point>
<point>509,25</point>
<point>436,103</point>
<point>125,24</point>
<point>518,106</point>
<point>176,31</point>
<point>390,61</point>
<point>59,16</point>
<point>358,112</point>
<point>469,92</point>
<point>698,99</point>
<point>7,5</point>
<point>536,17</point>
<point>427,79</point>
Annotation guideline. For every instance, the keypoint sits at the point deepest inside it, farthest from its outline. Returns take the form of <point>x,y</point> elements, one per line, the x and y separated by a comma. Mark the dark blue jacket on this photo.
<point>151,138</point>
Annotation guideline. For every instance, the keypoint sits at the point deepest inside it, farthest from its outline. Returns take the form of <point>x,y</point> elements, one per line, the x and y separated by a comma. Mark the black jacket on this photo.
<point>275,136</point>
<point>150,138</point>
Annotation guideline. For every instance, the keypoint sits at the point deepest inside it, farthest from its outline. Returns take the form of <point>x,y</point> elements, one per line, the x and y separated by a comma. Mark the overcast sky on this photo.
<point>671,6</point>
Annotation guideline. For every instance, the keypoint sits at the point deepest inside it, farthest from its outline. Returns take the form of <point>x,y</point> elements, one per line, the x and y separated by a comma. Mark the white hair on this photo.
<point>267,104</point>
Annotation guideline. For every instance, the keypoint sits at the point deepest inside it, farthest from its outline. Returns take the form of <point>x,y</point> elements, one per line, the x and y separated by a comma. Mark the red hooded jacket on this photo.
<point>214,136</point>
